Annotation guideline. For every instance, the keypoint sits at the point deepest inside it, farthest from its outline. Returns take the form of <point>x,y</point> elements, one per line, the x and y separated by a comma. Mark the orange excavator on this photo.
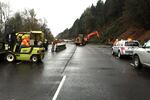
<point>82,40</point>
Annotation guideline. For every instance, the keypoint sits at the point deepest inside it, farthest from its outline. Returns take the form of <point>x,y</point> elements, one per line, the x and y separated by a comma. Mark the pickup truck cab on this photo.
<point>141,56</point>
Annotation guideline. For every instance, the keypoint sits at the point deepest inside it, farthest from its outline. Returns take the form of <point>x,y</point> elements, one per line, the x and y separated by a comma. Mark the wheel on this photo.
<point>119,54</point>
<point>52,50</point>
<point>137,63</point>
<point>10,57</point>
<point>112,52</point>
<point>34,58</point>
<point>56,50</point>
<point>84,43</point>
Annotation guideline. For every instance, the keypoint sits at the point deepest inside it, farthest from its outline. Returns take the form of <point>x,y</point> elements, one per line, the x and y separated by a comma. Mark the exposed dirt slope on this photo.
<point>137,34</point>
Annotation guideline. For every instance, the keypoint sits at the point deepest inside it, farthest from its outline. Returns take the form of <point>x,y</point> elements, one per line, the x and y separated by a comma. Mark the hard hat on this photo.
<point>23,37</point>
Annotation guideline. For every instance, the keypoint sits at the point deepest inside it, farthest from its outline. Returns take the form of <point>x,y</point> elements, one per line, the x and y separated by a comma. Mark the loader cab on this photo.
<point>80,40</point>
<point>36,38</point>
<point>28,47</point>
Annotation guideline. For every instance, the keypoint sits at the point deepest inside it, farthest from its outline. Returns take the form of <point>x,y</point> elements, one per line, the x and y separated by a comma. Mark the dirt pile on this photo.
<point>136,34</point>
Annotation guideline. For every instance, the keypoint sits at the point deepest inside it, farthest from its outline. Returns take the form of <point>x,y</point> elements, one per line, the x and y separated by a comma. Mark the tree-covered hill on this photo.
<point>113,18</point>
<point>22,21</point>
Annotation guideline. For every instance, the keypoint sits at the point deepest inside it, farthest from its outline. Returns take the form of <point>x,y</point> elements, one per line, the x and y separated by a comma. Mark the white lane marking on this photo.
<point>131,64</point>
<point>59,87</point>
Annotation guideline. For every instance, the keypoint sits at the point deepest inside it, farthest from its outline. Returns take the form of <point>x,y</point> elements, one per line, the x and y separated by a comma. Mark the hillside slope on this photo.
<point>136,34</point>
<point>115,19</point>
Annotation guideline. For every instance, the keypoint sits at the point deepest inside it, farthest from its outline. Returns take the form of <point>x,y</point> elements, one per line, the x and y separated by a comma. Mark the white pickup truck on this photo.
<point>141,56</point>
<point>124,47</point>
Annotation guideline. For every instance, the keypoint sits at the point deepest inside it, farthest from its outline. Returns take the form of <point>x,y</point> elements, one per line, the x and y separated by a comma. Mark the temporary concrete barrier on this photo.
<point>60,47</point>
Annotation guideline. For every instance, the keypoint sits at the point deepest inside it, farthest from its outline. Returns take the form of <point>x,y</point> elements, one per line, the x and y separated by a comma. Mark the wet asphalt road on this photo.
<point>92,73</point>
<point>28,81</point>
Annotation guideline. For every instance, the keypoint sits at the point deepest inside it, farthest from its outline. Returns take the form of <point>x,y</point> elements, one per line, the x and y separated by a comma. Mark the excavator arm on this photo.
<point>81,40</point>
<point>91,35</point>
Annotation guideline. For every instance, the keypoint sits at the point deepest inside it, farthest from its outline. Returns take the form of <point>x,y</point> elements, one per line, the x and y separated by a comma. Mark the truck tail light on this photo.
<point>122,48</point>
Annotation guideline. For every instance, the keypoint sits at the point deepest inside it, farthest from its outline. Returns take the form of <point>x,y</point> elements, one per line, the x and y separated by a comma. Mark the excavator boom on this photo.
<point>81,40</point>
<point>91,35</point>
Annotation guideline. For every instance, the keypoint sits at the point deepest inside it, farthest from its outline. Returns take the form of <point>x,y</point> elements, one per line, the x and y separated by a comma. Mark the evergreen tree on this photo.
<point>137,13</point>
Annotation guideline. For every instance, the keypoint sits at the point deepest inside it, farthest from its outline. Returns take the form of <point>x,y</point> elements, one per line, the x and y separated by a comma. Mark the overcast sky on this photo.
<point>60,14</point>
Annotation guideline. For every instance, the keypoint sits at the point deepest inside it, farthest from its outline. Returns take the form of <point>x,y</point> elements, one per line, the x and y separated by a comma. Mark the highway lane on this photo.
<point>94,74</point>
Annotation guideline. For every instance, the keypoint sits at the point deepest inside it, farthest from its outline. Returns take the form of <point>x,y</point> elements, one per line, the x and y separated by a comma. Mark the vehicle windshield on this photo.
<point>148,44</point>
<point>131,44</point>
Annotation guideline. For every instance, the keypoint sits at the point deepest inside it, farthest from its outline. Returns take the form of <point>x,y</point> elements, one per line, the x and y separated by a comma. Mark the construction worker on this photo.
<point>54,44</point>
<point>25,41</point>
<point>115,41</point>
<point>18,42</point>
